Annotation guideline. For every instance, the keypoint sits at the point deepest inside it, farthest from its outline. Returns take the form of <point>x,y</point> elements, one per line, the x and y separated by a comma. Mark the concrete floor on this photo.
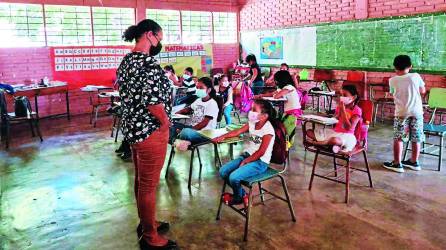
<point>71,192</point>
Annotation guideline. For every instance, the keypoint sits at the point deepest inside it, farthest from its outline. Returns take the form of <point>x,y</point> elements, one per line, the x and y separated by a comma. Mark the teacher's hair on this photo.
<point>135,32</point>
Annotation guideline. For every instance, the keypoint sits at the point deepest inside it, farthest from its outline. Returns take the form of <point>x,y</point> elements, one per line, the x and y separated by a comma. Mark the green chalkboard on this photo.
<point>373,44</point>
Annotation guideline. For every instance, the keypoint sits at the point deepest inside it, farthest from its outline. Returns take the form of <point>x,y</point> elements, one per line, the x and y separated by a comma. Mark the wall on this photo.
<point>258,15</point>
<point>22,65</point>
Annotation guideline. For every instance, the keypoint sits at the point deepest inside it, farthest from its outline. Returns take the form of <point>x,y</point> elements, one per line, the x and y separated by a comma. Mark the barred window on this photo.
<point>110,23</point>
<point>196,26</point>
<point>169,20</point>
<point>68,25</point>
<point>21,25</point>
<point>225,27</point>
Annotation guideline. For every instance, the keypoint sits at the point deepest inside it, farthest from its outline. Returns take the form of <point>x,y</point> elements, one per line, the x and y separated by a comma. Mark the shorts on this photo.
<point>348,140</point>
<point>408,128</point>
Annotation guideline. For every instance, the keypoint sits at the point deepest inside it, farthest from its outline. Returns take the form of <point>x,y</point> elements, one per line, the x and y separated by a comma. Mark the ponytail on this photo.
<point>135,32</point>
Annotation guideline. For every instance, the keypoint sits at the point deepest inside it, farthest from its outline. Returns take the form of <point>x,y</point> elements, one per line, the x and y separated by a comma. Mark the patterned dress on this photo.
<point>142,82</point>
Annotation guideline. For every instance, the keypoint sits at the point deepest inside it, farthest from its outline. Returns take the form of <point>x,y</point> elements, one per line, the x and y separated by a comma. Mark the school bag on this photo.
<point>246,98</point>
<point>280,152</point>
<point>290,124</point>
<point>22,106</point>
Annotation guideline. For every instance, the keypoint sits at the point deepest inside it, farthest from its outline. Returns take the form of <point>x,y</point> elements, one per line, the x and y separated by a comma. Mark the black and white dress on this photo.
<point>142,82</point>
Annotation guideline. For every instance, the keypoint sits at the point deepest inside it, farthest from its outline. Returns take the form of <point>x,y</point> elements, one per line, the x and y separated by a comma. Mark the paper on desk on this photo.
<point>328,120</point>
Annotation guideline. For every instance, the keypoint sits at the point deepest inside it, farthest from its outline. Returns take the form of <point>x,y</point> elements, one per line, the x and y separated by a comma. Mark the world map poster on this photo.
<point>271,47</point>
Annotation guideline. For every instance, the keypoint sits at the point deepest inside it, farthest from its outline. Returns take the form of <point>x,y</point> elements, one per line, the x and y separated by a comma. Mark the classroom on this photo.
<point>222,124</point>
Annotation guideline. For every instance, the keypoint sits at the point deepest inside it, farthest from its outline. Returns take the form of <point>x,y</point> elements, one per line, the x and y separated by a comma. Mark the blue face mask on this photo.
<point>201,93</point>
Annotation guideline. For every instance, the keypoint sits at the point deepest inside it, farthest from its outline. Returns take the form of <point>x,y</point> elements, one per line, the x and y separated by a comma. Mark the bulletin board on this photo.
<point>96,65</point>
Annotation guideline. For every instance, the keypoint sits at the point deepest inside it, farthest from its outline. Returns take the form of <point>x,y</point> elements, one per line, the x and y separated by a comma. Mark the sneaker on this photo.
<point>226,197</point>
<point>394,167</point>
<point>412,165</point>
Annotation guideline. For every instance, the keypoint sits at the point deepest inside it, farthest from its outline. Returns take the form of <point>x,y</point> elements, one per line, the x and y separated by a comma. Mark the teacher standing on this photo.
<point>146,104</point>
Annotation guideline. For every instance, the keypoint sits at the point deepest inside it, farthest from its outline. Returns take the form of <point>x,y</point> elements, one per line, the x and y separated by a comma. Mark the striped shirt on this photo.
<point>190,85</point>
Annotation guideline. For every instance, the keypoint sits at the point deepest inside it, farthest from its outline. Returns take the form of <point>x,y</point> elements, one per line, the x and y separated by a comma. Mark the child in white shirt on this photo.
<point>406,89</point>
<point>257,152</point>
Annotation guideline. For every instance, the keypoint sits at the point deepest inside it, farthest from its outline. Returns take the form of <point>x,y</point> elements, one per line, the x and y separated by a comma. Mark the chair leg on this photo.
<point>366,160</point>
<point>31,126</point>
<point>347,181</point>
<point>262,198</point>
<point>221,201</point>
<point>190,168</point>
<point>201,165</point>
<point>382,113</point>
<point>335,165</point>
<point>405,151</point>
<point>172,154</point>
<point>36,123</point>
<point>92,114</point>
<point>8,133</point>
<point>96,117</point>
<point>440,155</point>
<point>113,126</point>
<point>248,214</point>
<point>117,130</point>
<point>375,113</point>
<point>314,168</point>
<point>287,195</point>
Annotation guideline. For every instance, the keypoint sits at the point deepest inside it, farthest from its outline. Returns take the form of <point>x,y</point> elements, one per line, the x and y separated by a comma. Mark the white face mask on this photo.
<point>186,76</point>
<point>253,116</point>
<point>346,100</point>
<point>226,84</point>
<point>201,93</point>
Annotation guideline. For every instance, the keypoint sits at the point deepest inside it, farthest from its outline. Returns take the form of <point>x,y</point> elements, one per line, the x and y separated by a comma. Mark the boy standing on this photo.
<point>407,89</point>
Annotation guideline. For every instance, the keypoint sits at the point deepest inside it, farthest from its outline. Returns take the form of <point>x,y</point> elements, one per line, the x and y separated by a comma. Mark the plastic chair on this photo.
<point>437,101</point>
<point>269,174</point>
<point>361,131</point>
<point>7,119</point>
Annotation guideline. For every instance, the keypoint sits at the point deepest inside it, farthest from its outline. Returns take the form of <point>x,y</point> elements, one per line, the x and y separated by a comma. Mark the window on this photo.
<point>169,20</point>
<point>21,25</point>
<point>197,26</point>
<point>225,27</point>
<point>68,25</point>
<point>110,23</point>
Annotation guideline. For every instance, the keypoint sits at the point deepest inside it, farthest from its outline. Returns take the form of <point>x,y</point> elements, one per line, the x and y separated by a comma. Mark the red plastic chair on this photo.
<point>361,133</point>
<point>356,78</point>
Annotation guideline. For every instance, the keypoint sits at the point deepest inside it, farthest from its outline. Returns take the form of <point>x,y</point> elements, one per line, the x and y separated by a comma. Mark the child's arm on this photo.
<point>185,111</point>
<point>203,123</point>
<point>347,123</point>
<point>266,139</point>
<point>281,93</point>
<point>231,134</point>
<point>269,94</point>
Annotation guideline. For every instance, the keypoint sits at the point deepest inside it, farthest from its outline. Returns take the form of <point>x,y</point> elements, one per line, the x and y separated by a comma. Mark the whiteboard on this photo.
<point>299,45</point>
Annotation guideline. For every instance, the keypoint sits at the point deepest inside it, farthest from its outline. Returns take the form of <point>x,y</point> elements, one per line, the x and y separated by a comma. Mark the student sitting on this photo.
<point>257,152</point>
<point>170,73</point>
<point>342,137</point>
<point>283,67</point>
<point>224,89</point>
<point>204,113</point>
<point>286,89</point>
<point>189,83</point>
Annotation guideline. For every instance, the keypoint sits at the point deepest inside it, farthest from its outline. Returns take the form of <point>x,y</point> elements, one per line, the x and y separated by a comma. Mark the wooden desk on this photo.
<point>279,102</point>
<point>53,88</point>
<point>314,119</point>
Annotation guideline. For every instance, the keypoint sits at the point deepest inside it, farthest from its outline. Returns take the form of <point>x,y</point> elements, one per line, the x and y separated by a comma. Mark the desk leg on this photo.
<point>36,106</point>
<point>441,152</point>
<point>67,100</point>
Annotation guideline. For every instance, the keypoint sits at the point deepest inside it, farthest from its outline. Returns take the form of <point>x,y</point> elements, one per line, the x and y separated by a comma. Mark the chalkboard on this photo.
<point>373,44</point>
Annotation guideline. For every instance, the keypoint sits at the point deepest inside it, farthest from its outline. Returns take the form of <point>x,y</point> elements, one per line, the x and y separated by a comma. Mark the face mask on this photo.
<point>253,116</point>
<point>155,50</point>
<point>201,93</point>
<point>225,84</point>
<point>346,100</point>
<point>186,76</point>
<point>168,73</point>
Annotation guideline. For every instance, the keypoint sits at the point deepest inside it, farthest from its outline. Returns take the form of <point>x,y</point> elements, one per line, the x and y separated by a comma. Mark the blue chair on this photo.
<point>269,174</point>
<point>437,103</point>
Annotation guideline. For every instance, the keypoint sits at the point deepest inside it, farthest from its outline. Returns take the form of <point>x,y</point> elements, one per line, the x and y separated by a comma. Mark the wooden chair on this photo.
<point>98,100</point>
<point>250,183</point>
<point>381,101</point>
<point>7,119</point>
<point>361,147</point>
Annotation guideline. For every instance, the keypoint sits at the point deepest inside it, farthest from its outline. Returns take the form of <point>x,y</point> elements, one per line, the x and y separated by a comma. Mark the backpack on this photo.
<point>280,152</point>
<point>246,96</point>
<point>22,106</point>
